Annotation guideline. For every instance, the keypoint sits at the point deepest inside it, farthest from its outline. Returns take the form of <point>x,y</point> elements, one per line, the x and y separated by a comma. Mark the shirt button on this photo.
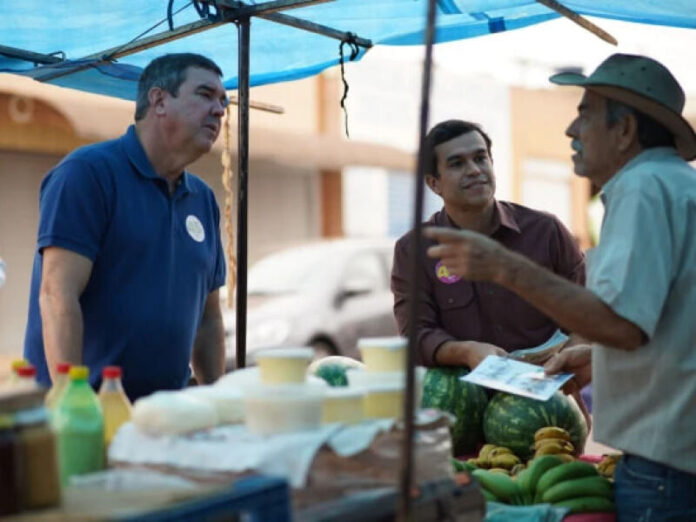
<point>450,300</point>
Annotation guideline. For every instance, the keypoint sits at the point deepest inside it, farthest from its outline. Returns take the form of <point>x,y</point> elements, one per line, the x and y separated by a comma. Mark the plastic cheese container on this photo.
<point>283,365</point>
<point>343,404</point>
<point>384,401</point>
<point>282,408</point>
<point>358,378</point>
<point>383,354</point>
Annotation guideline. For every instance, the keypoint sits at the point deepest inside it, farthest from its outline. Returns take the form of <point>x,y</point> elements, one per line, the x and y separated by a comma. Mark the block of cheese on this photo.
<point>173,412</point>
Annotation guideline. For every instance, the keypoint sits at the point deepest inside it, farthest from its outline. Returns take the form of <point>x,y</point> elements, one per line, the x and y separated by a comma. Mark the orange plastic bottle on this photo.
<point>114,402</point>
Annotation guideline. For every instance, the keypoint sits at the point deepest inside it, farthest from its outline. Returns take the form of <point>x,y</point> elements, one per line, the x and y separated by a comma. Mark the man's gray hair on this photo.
<point>650,132</point>
<point>168,72</point>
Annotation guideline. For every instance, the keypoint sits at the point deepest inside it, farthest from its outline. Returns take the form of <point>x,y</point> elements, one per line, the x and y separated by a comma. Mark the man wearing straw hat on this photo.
<point>631,140</point>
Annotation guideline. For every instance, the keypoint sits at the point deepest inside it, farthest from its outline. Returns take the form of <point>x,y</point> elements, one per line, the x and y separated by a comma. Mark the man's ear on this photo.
<point>156,97</point>
<point>628,132</point>
<point>433,184</point>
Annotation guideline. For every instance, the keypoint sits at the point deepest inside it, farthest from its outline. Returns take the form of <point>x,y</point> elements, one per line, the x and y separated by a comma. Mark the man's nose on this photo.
<point>218,108</point>
<point>471,168</point>
<point>571,131</point>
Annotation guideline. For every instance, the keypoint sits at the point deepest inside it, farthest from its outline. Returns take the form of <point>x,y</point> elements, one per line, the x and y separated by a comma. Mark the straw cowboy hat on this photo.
<point>644,84</point>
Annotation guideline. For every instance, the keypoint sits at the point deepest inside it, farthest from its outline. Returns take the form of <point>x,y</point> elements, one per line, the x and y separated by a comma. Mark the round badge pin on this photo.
<point>444,275</point>
<point>195,228</point>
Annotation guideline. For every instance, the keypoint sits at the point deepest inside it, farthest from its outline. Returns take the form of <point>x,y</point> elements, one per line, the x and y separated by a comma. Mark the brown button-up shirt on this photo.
<point>454,309</point>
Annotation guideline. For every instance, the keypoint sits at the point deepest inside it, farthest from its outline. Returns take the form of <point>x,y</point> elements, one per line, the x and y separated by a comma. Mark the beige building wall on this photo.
<point>541,153</point>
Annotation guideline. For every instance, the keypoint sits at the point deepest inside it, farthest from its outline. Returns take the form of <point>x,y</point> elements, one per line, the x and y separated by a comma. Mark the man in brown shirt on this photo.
<point>461,322</point>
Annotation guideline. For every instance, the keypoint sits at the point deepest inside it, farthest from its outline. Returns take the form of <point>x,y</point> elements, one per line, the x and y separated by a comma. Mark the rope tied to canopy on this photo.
<point>351,42</point>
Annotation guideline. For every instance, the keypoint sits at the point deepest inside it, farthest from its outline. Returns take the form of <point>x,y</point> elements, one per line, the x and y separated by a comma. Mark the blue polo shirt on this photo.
<point>156,257</point>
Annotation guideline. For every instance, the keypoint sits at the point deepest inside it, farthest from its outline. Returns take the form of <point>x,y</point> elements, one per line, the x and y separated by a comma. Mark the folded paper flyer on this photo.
<point>516,377</point>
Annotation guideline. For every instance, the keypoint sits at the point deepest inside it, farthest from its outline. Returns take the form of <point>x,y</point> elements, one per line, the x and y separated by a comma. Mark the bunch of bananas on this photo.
<point>497,459</point>
<point>552,440</point>
<point>575,485</point>
<point>607,465</point>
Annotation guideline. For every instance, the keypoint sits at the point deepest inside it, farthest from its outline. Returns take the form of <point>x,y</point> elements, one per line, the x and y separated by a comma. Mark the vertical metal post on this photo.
<point>244,30</point>
<point>407,458</point>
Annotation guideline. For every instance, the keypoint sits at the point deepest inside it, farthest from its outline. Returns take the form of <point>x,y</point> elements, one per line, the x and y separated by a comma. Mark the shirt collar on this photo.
<point>502,216</point>
<point>139,160</point>
<point>651,154</point>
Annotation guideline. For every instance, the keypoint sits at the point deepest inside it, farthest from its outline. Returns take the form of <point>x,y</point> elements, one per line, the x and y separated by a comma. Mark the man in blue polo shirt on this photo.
<point>129,261</point>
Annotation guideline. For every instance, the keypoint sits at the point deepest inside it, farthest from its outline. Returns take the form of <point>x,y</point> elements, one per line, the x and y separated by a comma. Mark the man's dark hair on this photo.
<point>168,72</point>
<point>445,131</point>
<point>650,132</point>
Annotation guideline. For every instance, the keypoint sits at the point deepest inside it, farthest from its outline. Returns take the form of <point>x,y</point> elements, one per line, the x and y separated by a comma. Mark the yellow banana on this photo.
<point>499,450</point>
<point>552,448</point>
<point>485,451</point>
<point>551,432</point>
<point>505,460</point>
<point>567,445</point>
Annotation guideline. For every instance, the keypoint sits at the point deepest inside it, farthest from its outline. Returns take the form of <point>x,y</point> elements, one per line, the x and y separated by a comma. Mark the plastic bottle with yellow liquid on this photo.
<point>115,404</point>
<point>15,365</point>
<point>60,384</point>
<point>79,425</point>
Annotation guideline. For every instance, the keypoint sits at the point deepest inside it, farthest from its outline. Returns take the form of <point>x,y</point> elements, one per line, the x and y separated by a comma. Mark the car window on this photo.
<point>366,267</point>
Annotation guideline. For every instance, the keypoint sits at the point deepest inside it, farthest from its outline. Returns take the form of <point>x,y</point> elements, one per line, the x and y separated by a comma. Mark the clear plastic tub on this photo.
<point>343,404</point>
<point>282,408</point>
<point>283,365</point>
<point>383,354</point>
<point>358,378</point>
<point>384,401</point>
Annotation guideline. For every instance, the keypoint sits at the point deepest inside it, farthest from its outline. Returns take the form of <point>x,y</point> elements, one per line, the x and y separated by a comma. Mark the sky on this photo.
<point>528,56</point>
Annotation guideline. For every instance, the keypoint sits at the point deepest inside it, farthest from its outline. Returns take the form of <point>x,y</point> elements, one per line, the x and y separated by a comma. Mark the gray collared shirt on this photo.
<point>645,269</point>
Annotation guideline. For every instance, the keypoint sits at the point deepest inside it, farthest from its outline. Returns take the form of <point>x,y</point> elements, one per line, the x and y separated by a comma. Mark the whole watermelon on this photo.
<point>333,369</point>
<point>511,421</point>
<point>443,389</point>
<point>334,374</point>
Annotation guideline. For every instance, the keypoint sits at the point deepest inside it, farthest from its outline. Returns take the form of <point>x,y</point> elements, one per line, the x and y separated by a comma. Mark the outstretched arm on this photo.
<point>477,257</point>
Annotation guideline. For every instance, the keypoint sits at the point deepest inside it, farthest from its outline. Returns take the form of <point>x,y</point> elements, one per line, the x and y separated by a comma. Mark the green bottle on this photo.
<point>79,426</point>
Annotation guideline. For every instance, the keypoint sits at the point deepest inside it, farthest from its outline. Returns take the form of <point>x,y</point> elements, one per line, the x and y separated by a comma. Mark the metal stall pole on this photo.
<point>407,460</point>
<point>244,30</point>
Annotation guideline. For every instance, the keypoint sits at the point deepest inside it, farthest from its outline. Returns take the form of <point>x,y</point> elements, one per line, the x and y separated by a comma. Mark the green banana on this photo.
<point>501,485</point>
<point>461,465</point>
<point>563,472</point>
<point>537,468</point>
<point>523,479</point>
<point>587,504</point>
<point>576,488</point>
<point>488,495</point>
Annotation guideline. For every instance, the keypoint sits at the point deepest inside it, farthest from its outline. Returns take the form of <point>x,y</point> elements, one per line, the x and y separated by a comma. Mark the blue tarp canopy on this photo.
<point>75,29</point>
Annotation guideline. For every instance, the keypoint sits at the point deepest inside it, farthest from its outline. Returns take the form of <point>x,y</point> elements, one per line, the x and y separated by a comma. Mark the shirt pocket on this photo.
<point>458,314</point>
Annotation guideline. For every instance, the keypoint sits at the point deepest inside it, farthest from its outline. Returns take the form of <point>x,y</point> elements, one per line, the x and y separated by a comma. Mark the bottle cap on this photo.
<point>26,371</point>
<point>63,368</point>
<point>18,363</point>
<point>111,372</point>
<point>79,373</point>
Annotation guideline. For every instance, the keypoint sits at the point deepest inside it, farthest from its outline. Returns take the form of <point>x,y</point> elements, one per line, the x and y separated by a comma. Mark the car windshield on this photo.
<point>288,271</point>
